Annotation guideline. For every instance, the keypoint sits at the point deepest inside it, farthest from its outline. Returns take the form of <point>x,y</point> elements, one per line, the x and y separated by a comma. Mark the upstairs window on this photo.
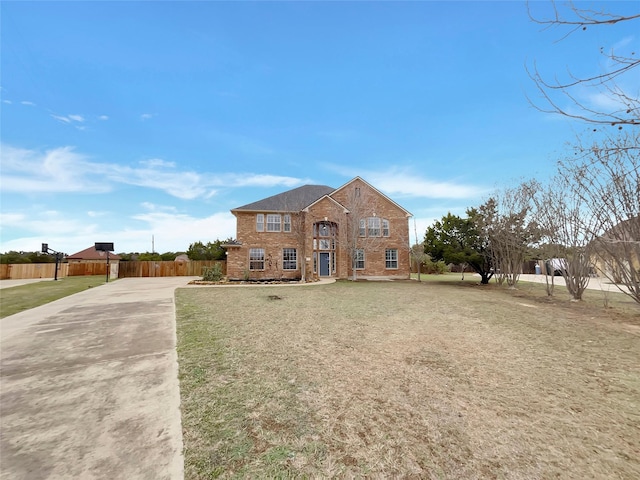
<point>385,228</point>
<point>323,230</point>
<point>260,222</point>
<point>273,223</point>
<point>286,226</point>
<point>373,227</point>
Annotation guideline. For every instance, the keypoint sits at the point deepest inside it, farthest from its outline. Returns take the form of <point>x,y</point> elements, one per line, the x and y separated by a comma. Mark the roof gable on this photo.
<point>329,199</point>
<point>378,192</point>
<point>289,201</point>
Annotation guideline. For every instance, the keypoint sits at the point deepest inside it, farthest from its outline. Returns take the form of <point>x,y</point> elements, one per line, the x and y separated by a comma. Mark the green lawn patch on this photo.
<point>406,380</point>
<point>23,297</point>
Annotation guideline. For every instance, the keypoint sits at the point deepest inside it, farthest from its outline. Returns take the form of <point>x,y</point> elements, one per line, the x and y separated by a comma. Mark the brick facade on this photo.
<point>324,235</point>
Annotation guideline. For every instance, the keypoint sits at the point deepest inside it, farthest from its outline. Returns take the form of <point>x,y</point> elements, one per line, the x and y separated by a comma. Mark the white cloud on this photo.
<point>61,118</point>
<point>8,102</point>
<point>152,207</point>
<point>70,119</point>
<point>27,103</point>
<point>157,162</point>
<point>56,170</point>
<point>251,180</point>
<point>184,185</point>
<point>53,227</point>
<point>94,214</point>
<point>64,170</point>
<point>405,182</point>
<point>147,116</point>
<point>11,219</point>
<point>172,231</point>
<point>103,117</point>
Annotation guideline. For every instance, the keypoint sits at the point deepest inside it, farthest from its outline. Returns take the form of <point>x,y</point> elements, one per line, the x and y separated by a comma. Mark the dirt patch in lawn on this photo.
<point>405,380</point>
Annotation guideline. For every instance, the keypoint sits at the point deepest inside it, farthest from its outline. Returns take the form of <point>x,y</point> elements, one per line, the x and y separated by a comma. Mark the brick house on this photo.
<point>91,255</point>
<point>93,262</point>
<point>318,231</point>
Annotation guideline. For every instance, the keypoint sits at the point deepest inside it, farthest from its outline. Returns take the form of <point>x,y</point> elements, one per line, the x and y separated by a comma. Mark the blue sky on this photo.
<point>127,120</point>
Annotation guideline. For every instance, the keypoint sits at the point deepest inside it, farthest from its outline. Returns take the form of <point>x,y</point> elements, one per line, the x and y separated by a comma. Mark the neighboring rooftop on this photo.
<point>289,201</point>
<point>92,254</point>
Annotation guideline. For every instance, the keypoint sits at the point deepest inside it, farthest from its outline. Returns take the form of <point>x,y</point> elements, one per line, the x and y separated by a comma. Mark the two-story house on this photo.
<point>313,231</point>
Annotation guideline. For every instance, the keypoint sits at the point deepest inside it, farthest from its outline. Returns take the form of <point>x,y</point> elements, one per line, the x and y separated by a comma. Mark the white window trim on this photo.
<point>358,252</point>
<point>386,227</point>
<point>373,226</point>
<point>270,225</point>
<point>254,259</point>
<point>284,260</point>
<point>394,259</point>
<point>260,222</point>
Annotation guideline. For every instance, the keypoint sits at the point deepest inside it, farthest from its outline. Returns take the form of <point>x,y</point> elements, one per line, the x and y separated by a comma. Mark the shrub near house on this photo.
<point>318,231</point>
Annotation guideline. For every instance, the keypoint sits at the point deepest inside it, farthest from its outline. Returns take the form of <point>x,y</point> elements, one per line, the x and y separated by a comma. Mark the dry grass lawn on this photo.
<point>406,380</point>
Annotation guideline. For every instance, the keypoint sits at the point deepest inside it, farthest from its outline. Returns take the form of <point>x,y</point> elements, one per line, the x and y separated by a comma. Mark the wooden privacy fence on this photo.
<point>126,269</point>
<point>15,271</point>
<point>87,268</point>
<point>167,269</point>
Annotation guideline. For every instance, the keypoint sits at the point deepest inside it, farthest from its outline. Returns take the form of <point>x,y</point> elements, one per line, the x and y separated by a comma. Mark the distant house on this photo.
<point>617,252</point>
<point>319,231</point>
<point>93,262</point>
<point>91,255</point>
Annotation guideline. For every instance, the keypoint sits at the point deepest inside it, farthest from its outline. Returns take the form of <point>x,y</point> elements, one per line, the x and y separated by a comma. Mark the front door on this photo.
<point>324,264</point>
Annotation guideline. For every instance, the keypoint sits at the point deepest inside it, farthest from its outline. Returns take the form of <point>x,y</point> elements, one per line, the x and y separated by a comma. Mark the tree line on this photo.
<point>587,217</point>
<point>196,251</point>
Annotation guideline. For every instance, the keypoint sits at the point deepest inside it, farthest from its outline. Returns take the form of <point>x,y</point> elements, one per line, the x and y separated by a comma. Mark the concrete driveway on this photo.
<point>595,283</point>
<point>90,385</point>
<point>24,281</point>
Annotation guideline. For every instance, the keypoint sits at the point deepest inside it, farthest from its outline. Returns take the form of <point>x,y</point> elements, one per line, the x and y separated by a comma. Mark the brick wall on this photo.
<point>272,242</point>
<point>363,202</point>
<point>370,204</point>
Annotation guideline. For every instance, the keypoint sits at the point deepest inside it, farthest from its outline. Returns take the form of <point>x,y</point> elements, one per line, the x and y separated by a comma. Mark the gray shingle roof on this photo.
<point>289,201</point>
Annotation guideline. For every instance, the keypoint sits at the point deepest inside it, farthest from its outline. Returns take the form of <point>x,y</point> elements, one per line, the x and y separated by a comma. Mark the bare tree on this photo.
<point>547,252</point>
<point>298,220</point>
<point>511,228</point>
<point>355,237</point>
<point>416,251</point>
<point>605,176</point>
<point>419,257</point>
<point>611,83</point>
<point>568,225</point>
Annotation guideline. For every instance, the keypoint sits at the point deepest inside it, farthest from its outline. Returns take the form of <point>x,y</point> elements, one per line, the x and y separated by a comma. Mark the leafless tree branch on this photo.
<point>603,83</point>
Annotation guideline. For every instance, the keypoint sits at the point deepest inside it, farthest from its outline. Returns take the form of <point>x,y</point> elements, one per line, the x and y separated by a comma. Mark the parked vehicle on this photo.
<point>555,266</point>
